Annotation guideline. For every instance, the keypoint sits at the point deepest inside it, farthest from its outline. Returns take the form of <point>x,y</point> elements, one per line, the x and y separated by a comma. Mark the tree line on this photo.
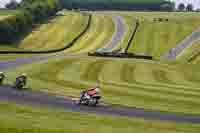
<point>118,5</point>
<point>183,7</point>
<point>29,13</point>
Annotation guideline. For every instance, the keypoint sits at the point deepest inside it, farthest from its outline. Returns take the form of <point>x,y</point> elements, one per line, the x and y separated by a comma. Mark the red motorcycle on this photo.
<point>90,97</point>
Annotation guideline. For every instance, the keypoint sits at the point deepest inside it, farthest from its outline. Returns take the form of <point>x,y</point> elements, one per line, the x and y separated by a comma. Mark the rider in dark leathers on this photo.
<point>2,77</point>
<point>22,78</point>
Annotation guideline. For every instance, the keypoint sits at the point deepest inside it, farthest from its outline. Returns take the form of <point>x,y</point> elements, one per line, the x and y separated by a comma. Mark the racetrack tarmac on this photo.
<point>121,30</point>
<point>36,98</point>
<point>186,43</point>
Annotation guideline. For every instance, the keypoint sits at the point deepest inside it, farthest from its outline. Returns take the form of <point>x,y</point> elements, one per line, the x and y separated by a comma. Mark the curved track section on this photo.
<point>47,100</point>
<point>99,34</point>
<point>121,30</point>
<point>188,42</point>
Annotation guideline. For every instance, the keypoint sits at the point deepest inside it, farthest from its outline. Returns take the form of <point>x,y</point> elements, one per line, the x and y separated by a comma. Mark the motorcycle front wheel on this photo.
<point>93,102</point>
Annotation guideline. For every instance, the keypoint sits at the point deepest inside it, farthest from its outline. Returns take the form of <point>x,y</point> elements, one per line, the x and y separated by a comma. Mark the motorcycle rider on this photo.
<point>91,92</point>
<point>2,76</point>
<point>22,78</point>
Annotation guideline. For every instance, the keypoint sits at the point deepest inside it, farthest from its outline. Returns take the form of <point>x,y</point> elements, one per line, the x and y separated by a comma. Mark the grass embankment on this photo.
<point>130,24</point>
<point>11,57</point>
<point>100,33</point>
<point>7,12</point>
<point>156,38</point>
<point>62,30</point>
<point>2,17</point>
<point>20,119</point>
<point>171,88</point>
<point>56,33</point>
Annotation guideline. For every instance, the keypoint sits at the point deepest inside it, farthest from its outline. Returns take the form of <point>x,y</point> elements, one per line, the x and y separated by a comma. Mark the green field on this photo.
<point>23,119</point>
<point>56,33</point>
<point>157,38</point>
<point>149,38</point>
<point>136,83</point>
<point>53,34</point>
<point>3,17</point>
<point>152,85</point>
<point>7,57</point>
<point>130,24</point>
<point>7,12</point>
<point>142,84</point>
<point>100,33</point>
<point>62,30</point>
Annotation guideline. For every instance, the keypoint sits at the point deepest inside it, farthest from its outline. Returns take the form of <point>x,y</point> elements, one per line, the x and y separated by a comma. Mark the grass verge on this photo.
<point>141,84</point>
<point>17,118</point>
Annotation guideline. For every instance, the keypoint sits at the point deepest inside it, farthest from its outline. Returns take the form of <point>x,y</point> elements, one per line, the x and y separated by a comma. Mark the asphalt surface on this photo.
<point>121,30</point>
<point>7,93</point>
<point>36,98</point>
<point>188,42</point>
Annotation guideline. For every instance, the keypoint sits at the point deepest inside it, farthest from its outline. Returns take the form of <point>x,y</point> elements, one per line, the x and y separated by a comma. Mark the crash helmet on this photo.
<point>24,74</point>
<point>97,89</point>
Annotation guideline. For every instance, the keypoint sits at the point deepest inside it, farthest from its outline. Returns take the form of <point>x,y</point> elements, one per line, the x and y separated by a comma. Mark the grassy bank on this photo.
<point>100,33</point>
<point>156,38</point>
<point>130,25</point>
<point>7,12</point>
<point>137,83</point>
<point>52,34</point>
<point>61,30</point>
<point>56,33</point>
<point>15,119</point>
<point>2,17</point>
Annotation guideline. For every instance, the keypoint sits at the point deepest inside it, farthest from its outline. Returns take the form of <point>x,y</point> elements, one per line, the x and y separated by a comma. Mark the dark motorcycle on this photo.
<point>19,83</point>
<point>2,77</point>
<point>88,100</point>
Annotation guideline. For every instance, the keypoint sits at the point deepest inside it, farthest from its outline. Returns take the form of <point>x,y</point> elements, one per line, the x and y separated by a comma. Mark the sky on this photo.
<point>4,2</point>
<point>196,3</point>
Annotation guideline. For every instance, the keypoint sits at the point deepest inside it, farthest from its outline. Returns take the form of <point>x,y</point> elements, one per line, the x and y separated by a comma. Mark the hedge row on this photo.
<point>30,12</point>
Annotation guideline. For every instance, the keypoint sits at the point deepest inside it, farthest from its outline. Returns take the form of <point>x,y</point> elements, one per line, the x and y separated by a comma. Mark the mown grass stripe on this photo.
<point>156,38</point>
<point>98,35</point>
<point>56,33</point>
